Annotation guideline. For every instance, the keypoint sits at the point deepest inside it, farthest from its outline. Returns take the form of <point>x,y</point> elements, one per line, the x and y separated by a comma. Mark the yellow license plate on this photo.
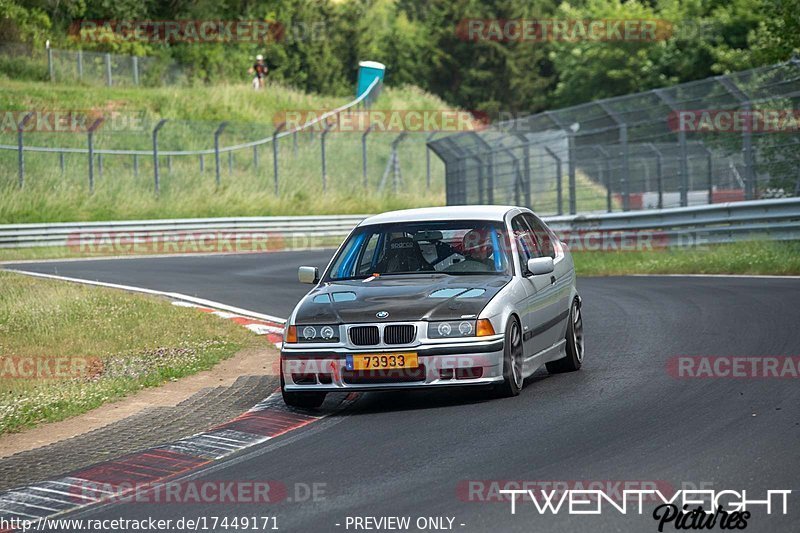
<point>384,361</point>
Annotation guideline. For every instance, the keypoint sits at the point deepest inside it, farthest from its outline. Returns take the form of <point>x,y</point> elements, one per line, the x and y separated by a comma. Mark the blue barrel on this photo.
<point>368,71</point>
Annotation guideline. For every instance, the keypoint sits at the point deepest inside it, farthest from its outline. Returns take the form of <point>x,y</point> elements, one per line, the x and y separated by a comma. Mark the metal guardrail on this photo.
<point>777,219</point>
<point>62,234</point>
<point>771,219</point>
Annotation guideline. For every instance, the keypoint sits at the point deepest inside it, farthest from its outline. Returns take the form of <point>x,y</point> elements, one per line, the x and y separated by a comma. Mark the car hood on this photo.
<point>405,298</point>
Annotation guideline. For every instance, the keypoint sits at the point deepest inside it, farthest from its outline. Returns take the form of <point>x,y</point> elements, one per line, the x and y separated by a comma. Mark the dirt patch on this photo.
<point>252,361</point>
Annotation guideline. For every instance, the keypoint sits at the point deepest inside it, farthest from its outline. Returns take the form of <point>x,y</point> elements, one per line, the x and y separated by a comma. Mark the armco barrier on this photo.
<point>765,219</point>
<point>58,234</point>
<point>777,219</point>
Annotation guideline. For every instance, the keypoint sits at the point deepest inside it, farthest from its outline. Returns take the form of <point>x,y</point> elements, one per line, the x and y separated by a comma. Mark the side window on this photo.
<point>542,236</point>
<point>525,242</point>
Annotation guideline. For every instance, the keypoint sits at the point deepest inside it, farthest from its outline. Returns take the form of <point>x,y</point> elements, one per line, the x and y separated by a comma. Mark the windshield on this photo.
<point>456,248</point>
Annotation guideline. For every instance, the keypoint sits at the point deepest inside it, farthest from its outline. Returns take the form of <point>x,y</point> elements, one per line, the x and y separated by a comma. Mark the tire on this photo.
<point>512,361</point>
<point>302,400</point>
<point>574,347</point>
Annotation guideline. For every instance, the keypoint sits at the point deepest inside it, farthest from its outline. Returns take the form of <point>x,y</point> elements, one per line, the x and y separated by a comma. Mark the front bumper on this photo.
<point>476,362</point>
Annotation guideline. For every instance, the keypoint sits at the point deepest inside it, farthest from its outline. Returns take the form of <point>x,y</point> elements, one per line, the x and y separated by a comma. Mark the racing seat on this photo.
<point>403,255</point>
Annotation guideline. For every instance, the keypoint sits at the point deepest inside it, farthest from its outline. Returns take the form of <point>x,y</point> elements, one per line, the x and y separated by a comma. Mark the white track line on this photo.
<point>175,295</point>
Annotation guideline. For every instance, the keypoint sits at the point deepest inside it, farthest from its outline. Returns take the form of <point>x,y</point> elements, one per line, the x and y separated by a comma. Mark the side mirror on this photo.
<point>308,275</point>
<point>540,265</point>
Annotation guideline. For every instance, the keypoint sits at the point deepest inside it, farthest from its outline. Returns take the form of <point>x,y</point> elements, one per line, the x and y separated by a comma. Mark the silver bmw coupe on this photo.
<point>435,297</point>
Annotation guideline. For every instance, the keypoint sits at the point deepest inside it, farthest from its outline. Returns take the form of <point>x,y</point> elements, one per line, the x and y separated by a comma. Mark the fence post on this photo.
<point>573,203</point>
<point>50,66</point>
<point>710,169</point>
<point>322,137</point>
<point>255,156</point>
<point>107,59</point>
<point>169,164</point>
<point>61,162</point>
<point>275,154</point>
<point>21,156</point>
<point>684,162</point>
<point>294,142</point>
<point>626,185</point>
<point>135,166</point>
<point>156,177</point>
<point>364,156</point>
<point>559,181</point>
<point>750,177</point>
<point>428,139</point>
<point>607,176</point>
<point>135,66</point>
<point>91,153</point>
<point>751,187</point>
<point>202,163</point>
<point>526,165</point>
<point>659,174</point>
<point>80,65</point>
<point>99,165</point>
<point>397,176</point>
<point>216,150</point>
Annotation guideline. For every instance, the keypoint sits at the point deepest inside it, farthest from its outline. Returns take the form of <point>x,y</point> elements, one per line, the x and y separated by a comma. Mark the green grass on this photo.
<point>121,342</point>
<point>755,257</point>
<point>194,115</point>
<point>246,189</point>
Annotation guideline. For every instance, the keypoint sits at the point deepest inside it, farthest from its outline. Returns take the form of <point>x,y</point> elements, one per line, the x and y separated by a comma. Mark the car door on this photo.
<point>537,309</point>
<point>561,280</point>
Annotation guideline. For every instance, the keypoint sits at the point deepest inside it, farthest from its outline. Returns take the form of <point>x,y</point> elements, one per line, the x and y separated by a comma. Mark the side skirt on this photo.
<point>554,352</point>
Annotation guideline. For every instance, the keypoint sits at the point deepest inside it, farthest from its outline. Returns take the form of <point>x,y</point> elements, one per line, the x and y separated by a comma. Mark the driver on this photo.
<point>477,250</point>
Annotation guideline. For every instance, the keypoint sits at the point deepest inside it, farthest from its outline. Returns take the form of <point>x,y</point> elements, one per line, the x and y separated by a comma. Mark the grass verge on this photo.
<point>67,348</point>
<point>752,257</point>
<point>124,187</point>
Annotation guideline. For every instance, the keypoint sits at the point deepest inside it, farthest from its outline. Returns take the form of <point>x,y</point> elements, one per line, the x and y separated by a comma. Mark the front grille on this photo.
<point>399,334</point>
<point>365,335</point>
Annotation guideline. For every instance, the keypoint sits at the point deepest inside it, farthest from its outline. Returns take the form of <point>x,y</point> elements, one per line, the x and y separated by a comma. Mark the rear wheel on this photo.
<point>303,400</point>
<point>512,361</point>
<point>574,346</point>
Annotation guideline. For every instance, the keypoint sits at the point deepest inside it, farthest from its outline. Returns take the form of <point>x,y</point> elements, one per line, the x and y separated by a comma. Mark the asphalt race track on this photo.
<point>622,417</point>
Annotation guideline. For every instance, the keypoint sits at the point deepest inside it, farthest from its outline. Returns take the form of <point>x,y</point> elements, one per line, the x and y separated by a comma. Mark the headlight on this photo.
<point>318,333</point>
<point>451,329</point>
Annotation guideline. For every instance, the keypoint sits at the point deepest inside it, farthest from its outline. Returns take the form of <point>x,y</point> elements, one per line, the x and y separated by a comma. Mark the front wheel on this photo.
<point>574,346</point>
<point>512,361</point>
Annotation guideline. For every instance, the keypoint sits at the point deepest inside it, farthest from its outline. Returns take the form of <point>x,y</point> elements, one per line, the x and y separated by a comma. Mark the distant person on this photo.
<point>260,70</point>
